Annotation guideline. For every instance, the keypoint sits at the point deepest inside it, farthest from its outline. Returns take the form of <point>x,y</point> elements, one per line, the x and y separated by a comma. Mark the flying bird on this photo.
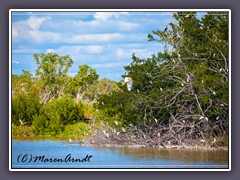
<point>15,62</point>
<point>129,82</point>
<point>22,123</point>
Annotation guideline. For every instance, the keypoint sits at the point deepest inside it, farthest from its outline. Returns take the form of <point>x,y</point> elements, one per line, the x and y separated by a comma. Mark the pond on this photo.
<point>61,154</point>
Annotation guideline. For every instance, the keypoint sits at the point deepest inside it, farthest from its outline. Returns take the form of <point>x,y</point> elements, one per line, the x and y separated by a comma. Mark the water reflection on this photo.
<point>219,156</point>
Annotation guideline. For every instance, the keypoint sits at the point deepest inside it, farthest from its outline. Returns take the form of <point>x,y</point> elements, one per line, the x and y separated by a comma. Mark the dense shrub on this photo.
<point>24,107</point>
<point>65,109</point>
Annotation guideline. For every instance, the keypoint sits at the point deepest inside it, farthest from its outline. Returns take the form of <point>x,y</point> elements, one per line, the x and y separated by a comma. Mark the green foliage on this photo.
<point>25,108</point>
<point>40,125</point>
<point>52,70</point>
<point>189,79</point>
<point>78,130</point>
<point>80,84</point>
<point>63,111</point>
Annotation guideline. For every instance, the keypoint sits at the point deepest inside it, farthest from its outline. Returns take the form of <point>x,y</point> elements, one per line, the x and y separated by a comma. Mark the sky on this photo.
<point>103,40</point>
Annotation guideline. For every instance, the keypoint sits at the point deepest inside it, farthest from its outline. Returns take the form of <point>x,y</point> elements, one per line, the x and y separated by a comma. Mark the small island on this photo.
<point>177,98</point>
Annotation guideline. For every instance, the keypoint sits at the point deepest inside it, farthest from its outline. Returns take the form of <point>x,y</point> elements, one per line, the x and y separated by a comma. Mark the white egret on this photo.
<point>218,117</point>
<point>22,123</point>
<point>202,117</point>
<point>161,89</point>
<point>115,122</point>
<point>15,62</point>
<point>214,93</point>
<point>182,84</point>
<point>129,82</point>
<point>123,129</point>
<point>214,141</point>
<point>188,78</point>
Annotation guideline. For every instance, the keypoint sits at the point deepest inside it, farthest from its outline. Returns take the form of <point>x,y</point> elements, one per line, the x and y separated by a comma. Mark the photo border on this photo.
<point>114,169</point>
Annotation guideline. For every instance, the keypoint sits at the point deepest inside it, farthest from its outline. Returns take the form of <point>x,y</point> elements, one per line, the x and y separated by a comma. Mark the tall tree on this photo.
<point>52,71</point>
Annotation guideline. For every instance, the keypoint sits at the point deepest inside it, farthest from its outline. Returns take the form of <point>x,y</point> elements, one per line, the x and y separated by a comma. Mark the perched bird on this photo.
<point>166,28</point>
<point>202,117</point>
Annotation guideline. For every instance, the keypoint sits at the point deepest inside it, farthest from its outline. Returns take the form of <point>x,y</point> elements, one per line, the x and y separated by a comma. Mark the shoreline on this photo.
<point>114,145</point>
<point>169,147</point>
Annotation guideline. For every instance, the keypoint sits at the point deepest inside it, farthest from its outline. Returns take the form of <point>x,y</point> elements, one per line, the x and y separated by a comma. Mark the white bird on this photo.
<point>187,15</point>
<point>214,93</point>
<point>202,117</point>
<point>188,78</point>
<point>182,84</point>
<point>155,120</point>
<point>70,140</point>
<point>217,118</point>
<point>161,89</point>
<point>214,141</point>
<point>15,62</point>
<point>206,119</point>
<point>123,129</point>
<point>129,82</point>
<point>22,123</point>
<point>115,122</point>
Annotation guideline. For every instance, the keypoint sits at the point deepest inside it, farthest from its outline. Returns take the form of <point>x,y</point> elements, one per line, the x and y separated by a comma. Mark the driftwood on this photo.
<point>178,132</point>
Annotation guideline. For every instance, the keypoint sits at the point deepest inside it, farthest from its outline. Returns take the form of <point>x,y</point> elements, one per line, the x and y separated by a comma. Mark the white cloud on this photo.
<point>25,50</point>
<point>35,22</point>
<point>93,49</point>
<point>83,38</point>
<point>14,32</point>
<point>43,37</point>
<point>103,16</point>
<point>127,26</point>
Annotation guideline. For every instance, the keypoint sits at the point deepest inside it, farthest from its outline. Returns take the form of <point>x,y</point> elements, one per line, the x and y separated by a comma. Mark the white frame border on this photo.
<point>112,10</point>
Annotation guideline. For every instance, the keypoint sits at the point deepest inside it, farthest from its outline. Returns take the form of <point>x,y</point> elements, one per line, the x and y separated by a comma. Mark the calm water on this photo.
<point>25,152</point>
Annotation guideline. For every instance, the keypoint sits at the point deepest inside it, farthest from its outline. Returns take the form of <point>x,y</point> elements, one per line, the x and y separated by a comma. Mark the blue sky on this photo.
<point>103,40</point>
